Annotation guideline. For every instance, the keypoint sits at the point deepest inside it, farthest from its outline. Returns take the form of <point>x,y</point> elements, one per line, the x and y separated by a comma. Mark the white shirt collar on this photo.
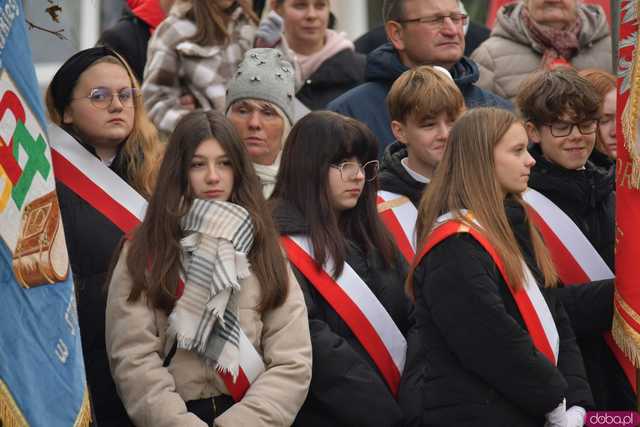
<point>415,175</point>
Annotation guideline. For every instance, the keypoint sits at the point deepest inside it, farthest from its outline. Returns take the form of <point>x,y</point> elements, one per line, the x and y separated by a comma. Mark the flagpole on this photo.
<point>615,31</point>
<point>637,394</point>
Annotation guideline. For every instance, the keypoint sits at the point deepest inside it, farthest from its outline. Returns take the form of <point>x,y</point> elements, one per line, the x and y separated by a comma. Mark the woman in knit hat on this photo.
<point>94,98</point>
<point>260,105</point>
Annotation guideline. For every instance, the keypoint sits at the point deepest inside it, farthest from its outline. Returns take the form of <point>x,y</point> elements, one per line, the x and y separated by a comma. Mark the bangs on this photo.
<point>578,112</point>
<point>355,141</point>
<point>423,94</point>
<point>439,99</point>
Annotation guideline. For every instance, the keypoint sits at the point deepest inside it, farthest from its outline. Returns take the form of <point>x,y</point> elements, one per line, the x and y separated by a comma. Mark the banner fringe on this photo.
<point>626,338</point>
<point>84,416</point>
<point>10,414</point>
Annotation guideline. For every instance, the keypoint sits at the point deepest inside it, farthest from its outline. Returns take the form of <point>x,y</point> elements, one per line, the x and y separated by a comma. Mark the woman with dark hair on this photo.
<point>324,205</point>
<point>498,346</point>
<point>192,56</point>
<point>214,274</point>
<point>94,98</point>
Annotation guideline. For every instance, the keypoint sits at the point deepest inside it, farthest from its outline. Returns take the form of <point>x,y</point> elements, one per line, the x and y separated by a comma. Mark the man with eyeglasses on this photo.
<point>561,110</point>
<point>421,32</point>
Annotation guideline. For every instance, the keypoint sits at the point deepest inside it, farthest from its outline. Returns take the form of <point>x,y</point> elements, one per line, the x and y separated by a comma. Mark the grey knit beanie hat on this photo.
<point>264,74</point>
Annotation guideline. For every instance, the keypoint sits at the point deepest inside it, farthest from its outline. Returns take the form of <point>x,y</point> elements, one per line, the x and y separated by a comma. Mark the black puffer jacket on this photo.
<point>336,75</point>
<point>481,366</point>
<point>586,196</point>
<point>91,239</point>
<point>130,38</point>
<point>394,177</point>
<point>346,387</point>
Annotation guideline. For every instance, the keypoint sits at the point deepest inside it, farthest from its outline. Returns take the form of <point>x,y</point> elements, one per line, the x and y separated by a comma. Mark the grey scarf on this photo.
<point>205,319</point>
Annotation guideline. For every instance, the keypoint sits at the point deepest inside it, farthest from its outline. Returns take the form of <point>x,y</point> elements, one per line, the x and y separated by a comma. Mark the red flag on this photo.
<point>626,319</point>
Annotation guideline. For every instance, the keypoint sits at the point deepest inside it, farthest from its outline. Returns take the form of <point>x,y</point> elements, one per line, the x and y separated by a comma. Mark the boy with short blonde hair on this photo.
<point>423,104</point>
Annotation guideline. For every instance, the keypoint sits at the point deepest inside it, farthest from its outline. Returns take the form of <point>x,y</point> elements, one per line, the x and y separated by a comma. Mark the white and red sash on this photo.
<point>531,304</point>
<point>574,257</point>
<point>110,195</point>
<point>399,215</point>
<point>354,302</point>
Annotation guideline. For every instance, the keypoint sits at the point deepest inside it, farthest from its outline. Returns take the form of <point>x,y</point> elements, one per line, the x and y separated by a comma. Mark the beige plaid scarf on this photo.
<point>205,319</point>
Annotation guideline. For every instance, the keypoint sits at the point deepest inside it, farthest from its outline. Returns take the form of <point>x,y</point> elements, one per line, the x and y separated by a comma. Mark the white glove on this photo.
<point>575,416</point>
<point>270,30</point>
<point>557,417</point>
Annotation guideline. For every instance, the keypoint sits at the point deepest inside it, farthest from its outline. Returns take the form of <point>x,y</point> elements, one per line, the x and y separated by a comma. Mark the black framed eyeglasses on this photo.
<point>102,97</point>
<point>560,129</point>
<point>437,21</point>
<point>349,170</point>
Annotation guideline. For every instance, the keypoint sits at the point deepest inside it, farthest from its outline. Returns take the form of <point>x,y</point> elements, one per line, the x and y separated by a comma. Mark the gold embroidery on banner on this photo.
<point>627,338</point>
<point>629,119</point>
<point>624,174</point>
<point>619,236</point>
<point>626,307</point>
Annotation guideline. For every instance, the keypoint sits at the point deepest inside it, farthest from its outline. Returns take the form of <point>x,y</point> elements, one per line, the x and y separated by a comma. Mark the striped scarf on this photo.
<point>205,319</point>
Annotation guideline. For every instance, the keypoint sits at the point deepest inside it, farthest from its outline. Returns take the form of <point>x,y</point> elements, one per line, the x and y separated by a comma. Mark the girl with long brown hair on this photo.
<point>94,98</point>
<point>203,270</point>
<point>498,347</point>
<point>324,205</point>
<point>192,56</point>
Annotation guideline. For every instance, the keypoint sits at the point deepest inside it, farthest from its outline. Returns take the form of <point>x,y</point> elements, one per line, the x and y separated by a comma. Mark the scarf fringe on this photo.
<point>226,370</point>
<point>242,266</point>
<point>188,343</point>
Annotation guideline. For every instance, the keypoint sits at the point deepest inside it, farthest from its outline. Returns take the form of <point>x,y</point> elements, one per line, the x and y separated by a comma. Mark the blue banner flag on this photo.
<point>42,380</point>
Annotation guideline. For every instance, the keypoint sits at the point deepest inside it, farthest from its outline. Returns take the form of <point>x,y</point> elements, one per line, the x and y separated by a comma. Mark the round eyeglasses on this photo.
<point>561,129</point>
<point>102,97</point>
<point>349,170</point>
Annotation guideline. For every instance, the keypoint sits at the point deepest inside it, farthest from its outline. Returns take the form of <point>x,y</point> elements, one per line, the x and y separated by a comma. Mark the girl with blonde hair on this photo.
<point>95,100</point>
<point>498,346</point>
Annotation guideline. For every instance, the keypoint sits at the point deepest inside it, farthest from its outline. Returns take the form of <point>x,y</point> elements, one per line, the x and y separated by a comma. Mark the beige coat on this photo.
<point>154,396</point>
<point>507,57</point>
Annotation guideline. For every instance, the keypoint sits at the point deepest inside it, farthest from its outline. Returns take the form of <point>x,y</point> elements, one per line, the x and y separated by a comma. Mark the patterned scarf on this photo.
<point>559,45</point>
<point>205,319</point>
